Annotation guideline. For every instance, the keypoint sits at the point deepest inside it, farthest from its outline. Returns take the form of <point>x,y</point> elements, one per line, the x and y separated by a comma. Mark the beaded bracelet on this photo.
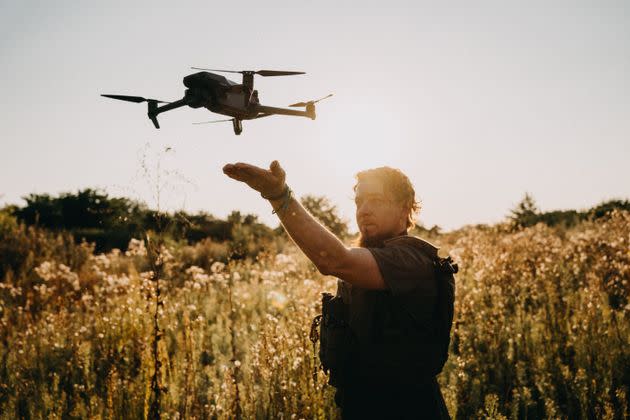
<point>286,199</point>
<point>277,197</point>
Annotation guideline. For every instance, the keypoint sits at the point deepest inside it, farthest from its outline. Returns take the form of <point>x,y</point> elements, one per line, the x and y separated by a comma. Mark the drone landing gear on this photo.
<point>238,126</point>
<point>310,111</point>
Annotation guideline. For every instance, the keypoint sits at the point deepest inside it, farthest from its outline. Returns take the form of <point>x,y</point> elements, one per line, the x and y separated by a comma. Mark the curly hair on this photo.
<point>398,185</point>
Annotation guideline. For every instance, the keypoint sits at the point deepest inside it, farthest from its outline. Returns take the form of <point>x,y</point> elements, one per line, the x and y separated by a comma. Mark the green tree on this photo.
<point>526,212</point>
<point>88,214</point>
<point>327,213</point>
<point>606,207</point>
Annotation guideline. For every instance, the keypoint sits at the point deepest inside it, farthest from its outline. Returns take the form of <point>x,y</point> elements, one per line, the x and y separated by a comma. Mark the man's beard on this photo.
<point>377,241</point>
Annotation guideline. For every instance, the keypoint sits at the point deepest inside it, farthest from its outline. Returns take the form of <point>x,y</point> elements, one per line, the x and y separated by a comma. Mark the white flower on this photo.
<point>277,300</point>
<point>217,266</point>
<point>285,262</point>
<point>296,362</point>
<point>44,270</point>
<point>136,247</point>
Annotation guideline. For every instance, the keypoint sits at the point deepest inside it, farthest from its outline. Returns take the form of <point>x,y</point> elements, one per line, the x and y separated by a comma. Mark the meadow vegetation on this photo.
<point>183,330</point>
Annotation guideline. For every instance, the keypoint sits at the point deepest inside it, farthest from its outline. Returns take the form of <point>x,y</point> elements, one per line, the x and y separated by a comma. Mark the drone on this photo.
<point>220,95</point>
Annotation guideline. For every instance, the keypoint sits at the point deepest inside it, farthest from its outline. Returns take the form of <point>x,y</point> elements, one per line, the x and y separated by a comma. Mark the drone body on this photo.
<point>222,96</point>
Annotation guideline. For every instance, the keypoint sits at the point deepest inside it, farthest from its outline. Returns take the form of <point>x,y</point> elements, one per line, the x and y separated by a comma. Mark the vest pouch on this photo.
<point>335,338</point>
<point>399,349</point>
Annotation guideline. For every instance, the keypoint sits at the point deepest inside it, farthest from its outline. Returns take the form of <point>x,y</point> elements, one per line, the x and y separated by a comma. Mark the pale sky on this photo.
<point>478,102</point>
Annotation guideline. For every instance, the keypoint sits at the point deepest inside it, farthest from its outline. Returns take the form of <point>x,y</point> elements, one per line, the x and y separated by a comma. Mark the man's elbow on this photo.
<point>332,265</point>
<point>326,268</point>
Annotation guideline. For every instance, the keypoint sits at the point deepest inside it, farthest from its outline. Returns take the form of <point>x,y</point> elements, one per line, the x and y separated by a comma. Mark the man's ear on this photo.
<point>404,215</point>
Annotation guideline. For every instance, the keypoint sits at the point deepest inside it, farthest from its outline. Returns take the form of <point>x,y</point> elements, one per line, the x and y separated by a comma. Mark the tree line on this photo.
<point>526,213</point>
<point>110,222</point>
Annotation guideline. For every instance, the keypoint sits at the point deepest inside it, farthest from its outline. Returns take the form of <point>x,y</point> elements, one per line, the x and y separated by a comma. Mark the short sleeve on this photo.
<point>409,275</point>
<point>405,269</point>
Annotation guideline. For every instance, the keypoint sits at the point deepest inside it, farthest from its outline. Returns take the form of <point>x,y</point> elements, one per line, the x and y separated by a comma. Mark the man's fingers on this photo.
<point>252,175</point>
<point>236,172</point>
<point>237,176</point>
<point>230,170</point>
<point>250,170</point>
<point>254,171</point>
<point>276,169</point>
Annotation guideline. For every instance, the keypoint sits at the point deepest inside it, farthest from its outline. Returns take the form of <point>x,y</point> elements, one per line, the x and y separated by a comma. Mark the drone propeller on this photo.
<point>136,99</point>
<point>300,104</point>
<point>263,73</point>
<point>214,121</point>
<point>232,119</point>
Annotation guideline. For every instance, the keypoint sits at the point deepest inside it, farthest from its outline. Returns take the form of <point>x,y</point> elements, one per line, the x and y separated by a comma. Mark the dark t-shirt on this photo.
<point>408,272</point>
<point>376,316</point>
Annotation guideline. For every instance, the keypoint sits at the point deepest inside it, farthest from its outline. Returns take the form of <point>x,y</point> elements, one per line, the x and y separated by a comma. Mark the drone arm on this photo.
<point>154,110</point>
<point>285,111</point>
<point>177,104</point>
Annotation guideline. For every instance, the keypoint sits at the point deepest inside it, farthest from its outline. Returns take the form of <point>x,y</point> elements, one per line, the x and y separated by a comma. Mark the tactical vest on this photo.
<point>396,347</point>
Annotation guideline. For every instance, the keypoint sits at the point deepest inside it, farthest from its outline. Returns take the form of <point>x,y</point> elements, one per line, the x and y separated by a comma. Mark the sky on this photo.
<point>477,102</point>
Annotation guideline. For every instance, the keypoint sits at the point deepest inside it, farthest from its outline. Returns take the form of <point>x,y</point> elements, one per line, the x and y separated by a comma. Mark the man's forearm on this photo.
<point>320,245</point>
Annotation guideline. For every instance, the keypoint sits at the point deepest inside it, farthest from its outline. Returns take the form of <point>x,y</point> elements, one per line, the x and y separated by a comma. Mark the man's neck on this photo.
<point>377,241</point>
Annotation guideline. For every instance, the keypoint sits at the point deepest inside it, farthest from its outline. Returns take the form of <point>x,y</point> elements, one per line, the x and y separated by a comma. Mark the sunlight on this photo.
<point>361,144</point>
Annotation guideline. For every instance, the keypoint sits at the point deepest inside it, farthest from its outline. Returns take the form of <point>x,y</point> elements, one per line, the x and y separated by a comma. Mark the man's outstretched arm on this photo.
<point>331,257</point>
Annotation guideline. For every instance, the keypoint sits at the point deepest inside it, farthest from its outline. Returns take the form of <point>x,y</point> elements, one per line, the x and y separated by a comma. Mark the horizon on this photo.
<point>350,223</point>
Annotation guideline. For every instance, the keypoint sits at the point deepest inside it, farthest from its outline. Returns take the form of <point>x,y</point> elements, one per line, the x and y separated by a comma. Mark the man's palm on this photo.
<point>269,182</point>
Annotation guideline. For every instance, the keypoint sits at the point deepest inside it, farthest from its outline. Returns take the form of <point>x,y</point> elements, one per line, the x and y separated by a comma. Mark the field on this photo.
<point>541,327</point>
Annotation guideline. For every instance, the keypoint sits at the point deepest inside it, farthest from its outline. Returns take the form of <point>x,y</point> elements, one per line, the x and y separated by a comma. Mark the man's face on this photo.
<point>378,216</point>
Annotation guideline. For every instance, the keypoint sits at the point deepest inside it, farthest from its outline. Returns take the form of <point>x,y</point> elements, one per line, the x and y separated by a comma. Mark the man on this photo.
<point>390,287</point>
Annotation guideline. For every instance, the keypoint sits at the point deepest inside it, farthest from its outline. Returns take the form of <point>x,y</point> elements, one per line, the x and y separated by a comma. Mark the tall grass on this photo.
<point>541,328</point>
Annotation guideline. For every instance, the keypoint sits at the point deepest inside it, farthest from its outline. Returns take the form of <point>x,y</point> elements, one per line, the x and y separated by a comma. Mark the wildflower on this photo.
<point>136,247</point>
<point>297,362</point>
<point>44,270</point>
<point>217,267</point>
<point>16,291</point>
<point>277,300</point>
<point>285,262</point>
<point>147,275</point>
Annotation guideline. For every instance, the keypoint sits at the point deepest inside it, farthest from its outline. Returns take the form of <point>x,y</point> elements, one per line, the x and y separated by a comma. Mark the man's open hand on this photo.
<point>268,182</point>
